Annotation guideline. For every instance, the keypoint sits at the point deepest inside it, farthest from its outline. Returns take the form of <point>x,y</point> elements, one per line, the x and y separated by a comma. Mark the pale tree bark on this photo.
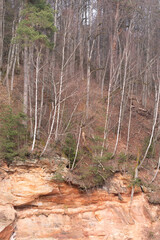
<point>61,84</point>
<point>10,64</point>
<point>53,116</point>
<point>13,67</point>
<point>156,173</point>
<point>81,51</point>
<point>104,74</point>
<point>30,111</point>
<point>64,65</point>
<point>114,44</point>
<point>40,111</point>
<point>30,88</point>
<point>129,122</point>
<point>157,97</point>
<point>148,53</point>
<point>50,117</point>
<point>36,99</point>
<point>53,63</point>
<point>16,52</point>
<point>25,93</point>
<point>122,98</point>
<point>90,47</point>
<point>113,72</point>
<point>98,31</point>
<point>77,147</point>
<point>13,55</point>
<point>1,35</point>
<point>108,104</point>
<point>44,77</point>
<point>66,28</point>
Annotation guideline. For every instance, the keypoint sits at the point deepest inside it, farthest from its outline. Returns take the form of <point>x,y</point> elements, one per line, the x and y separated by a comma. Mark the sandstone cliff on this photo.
<point>33,205</point>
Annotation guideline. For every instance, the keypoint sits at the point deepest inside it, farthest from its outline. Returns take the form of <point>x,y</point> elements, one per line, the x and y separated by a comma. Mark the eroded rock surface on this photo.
<point>37,207</point>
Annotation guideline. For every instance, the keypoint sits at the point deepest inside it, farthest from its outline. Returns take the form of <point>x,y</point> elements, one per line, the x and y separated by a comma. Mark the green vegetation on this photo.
<point>136,182</point>
<point>58,177</point>
<point>98,139</point>
<point>106,157</point>
<point>69,148</point>
<point>122,157</point>
<point>12,134</point>
<point>100,171</point>
<point>109,156</point>
<point>151,151</point>
<point>36,24</point>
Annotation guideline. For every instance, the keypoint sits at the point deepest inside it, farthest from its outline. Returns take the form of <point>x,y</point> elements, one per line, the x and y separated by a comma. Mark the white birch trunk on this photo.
<point>13,67</point>
<point>36,101</point>
<point>108,104</point>
<point>129,123</point>
<point>30,112</point>
<point>60,85</point>
<point>88,78</point>
<point>104,74</point>
<point>122,101</point>
<point>89,56</point>
<point>53,119</point>
<point>30,88</point>
<point>25,94</point>
<point>41,111</point>
<point>154,123</point>
<point>78,142</point>
<point>51,130</point>
<point>155,175</point>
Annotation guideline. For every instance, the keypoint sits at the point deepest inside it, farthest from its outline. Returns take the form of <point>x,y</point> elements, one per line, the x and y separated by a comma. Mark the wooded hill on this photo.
<point>81,77</point>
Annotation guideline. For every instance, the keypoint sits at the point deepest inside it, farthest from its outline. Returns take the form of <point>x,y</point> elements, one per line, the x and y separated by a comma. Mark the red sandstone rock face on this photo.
<point>44,209</point>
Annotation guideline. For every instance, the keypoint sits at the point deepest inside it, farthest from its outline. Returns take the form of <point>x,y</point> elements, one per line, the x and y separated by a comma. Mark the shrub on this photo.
<point>69,148</point>
<point>122,157</point>
<point>136,182</point>
<point>12,133</point>
<point>100,172</point>
<point>58,177</point>
<point>98,139</point>
<point>109,156</point>
<point>104,158</point>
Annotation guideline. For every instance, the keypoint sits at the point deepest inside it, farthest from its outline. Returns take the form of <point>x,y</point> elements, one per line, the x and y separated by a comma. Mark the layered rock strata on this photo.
<point>35,206</point>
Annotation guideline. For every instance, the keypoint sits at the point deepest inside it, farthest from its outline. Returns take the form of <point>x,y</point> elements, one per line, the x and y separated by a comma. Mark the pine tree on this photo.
<point>35,29</point>
<point>12,133</point>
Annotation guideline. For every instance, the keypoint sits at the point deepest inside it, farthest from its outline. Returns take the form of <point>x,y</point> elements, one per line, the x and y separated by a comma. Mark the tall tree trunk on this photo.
<point>89,56</point>
<point>122,100</point>
<point>60,84</point>
<point>36,100</point>
<point>108,104</point>
<point>1,35</point>
<point>53,116</point>
<point>25,94</point>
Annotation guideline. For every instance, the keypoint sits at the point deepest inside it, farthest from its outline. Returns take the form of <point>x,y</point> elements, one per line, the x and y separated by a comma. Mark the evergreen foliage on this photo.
<point>12,133</point>
<point>36,24</point>
<point>69,148</point>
